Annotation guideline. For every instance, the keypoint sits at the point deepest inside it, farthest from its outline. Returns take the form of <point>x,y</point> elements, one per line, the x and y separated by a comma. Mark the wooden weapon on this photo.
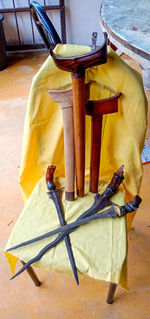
<point>77,65</point>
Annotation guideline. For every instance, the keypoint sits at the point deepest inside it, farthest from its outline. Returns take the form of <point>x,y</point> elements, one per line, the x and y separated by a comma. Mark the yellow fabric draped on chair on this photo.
<point>100,247</point>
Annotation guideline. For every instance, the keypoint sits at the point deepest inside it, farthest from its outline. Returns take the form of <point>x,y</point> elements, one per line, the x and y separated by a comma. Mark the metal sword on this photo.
<point>100,201</point>
<point>110,213</point>
<point>55,196</point>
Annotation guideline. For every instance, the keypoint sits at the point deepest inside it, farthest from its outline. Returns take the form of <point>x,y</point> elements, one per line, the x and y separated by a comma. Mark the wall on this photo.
<point>82,18</point>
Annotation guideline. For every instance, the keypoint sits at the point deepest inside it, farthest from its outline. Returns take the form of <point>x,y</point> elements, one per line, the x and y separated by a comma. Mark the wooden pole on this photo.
<point>64,97</point>
<point>78,87</point>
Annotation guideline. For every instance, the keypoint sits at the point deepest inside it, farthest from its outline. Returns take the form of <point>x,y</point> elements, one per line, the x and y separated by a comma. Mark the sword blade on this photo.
<point>109,191</point>
<point>110,213</point>
<point>55,196</point>
<point>69,227</point>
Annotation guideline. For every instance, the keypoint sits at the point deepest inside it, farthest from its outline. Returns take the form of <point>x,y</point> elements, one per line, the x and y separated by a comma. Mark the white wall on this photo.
<point>82,18</point>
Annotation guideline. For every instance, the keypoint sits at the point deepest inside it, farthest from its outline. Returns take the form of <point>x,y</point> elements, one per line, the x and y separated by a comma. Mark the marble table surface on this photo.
<point>128,25</point>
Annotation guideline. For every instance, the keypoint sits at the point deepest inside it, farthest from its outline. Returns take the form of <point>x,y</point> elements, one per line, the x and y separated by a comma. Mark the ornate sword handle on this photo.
<point>49,177</point>
<point>131,206</point>
<point>115,183</point>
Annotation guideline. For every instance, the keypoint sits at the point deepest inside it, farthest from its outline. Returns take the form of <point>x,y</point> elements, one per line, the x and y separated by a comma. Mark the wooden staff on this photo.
<point>77,65</point>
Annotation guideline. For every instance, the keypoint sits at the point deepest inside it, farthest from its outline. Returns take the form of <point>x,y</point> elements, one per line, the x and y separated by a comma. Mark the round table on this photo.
<point>128,26</point>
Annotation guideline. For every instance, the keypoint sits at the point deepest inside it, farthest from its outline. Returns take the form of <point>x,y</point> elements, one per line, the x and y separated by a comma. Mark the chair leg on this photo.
<point>111,292</point>
<point>33,275</point>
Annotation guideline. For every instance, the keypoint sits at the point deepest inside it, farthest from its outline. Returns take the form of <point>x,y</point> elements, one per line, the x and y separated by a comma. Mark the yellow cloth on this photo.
<point>123,132</point>
<point>122,142</point>
<point>99,247</point>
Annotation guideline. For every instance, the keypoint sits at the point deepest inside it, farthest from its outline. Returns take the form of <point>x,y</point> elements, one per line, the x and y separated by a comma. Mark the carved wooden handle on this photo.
<point>131,206</point>
<point>115,182</point>
<point>49,177</point>
<point>76,64</point>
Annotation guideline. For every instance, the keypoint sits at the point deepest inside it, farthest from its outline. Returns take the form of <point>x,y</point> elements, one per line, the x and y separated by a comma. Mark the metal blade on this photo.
<point>55,196</point>
<point>110,213</point>
<point>69,227</point>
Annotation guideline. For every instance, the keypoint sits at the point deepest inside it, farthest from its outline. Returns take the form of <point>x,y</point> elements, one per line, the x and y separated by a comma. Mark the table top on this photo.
<point>128,23</point>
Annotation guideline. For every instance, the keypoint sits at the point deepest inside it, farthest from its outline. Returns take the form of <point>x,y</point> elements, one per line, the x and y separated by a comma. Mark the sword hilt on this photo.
<point>131,206</point>
<point>49,177</point>
<point>115,183</point>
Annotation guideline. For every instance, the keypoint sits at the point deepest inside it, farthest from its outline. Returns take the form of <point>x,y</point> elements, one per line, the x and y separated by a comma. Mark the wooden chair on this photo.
<point>44,26</point>
<point>95,109</point>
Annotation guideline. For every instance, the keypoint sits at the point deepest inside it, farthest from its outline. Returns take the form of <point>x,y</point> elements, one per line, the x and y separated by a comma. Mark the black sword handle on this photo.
<point>131,206</point>
<point>117,179</point>
<point>101,201</point>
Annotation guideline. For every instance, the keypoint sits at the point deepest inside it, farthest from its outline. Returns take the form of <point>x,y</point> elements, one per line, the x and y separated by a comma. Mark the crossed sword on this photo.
<point>100,201</point>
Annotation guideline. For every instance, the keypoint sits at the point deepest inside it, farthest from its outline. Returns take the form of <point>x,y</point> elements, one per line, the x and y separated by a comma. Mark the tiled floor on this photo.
<point>58,297</point>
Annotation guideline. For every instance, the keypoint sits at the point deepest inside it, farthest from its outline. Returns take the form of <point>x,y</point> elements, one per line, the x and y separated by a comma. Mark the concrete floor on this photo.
<point>58,297</point>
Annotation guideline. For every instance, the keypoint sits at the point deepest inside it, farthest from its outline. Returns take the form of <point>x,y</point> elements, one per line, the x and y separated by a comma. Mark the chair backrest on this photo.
<point>44,26</point>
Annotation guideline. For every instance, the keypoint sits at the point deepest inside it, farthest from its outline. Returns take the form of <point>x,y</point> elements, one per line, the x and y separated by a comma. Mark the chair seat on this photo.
<point>99,247</point>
